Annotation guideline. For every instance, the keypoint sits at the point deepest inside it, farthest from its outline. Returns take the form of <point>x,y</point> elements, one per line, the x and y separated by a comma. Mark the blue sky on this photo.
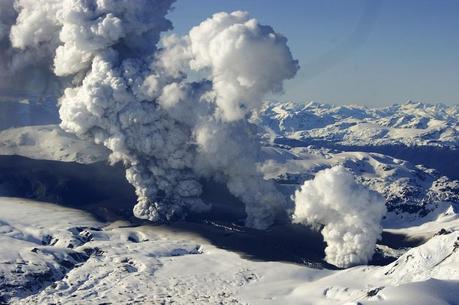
<point>373,52</point>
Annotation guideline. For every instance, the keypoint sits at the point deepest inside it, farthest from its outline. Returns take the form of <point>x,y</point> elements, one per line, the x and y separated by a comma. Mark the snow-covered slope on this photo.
<point>408,124</point>
<point>57,255</point>
<point>438,258</point>
<point>60,255</point>
<point>49,142</point>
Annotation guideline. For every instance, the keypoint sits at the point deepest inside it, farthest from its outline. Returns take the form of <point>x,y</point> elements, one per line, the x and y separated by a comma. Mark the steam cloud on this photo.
<point>349,213</point>
<point>128,89</point>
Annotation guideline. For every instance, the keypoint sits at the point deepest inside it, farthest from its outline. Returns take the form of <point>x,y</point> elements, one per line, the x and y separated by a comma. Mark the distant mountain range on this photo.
<point>410,124</point>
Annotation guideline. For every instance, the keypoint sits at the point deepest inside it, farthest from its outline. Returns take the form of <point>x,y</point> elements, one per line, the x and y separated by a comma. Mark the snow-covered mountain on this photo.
<point>409,124</point>
<point>92,252</point>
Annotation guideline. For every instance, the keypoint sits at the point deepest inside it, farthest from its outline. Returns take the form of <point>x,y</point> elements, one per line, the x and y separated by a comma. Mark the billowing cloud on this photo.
<point>245,60</point>
<point>139,101</point>
<point>349,213</point>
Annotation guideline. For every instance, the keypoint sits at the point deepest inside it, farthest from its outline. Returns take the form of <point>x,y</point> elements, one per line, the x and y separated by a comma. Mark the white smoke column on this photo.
<point>246,60</point>
<point>349,213</point>
<point>124,93</point>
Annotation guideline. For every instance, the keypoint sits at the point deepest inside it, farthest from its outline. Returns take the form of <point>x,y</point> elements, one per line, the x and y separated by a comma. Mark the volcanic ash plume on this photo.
<point>130,91</point>
<point>349,213</point>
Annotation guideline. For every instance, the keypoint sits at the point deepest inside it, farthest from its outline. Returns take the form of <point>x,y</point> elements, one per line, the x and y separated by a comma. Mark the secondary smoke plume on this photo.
<point>129,90</point>
<point>349,213</point>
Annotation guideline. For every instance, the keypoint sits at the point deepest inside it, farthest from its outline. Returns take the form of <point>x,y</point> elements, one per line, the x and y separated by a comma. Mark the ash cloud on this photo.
<point>124,87</point>
<point>348,213</point>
